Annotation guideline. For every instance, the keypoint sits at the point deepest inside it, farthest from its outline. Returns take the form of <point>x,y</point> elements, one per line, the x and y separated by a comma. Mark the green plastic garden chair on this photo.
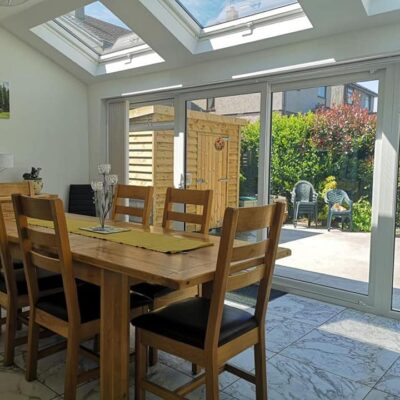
<point>340,197</point>
<point>304,199</point>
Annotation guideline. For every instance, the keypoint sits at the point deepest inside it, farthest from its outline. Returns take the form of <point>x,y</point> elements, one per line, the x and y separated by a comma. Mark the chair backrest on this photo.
<point>304,191</point>
<point>81,200</point>
<point>244,264</point>
<point>188,197</point>
<point>46,249</point>
<point>131,192</point>
<point>6,263</point>
<point>9,188</point>
<point>336,196</point>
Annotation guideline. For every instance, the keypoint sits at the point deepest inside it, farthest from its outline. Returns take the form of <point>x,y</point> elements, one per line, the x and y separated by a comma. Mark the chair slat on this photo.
<point>194,197</point>
<point>126,191</point>
<point>254,218</point>
<point>245,278</point>
<point>249,251</point>
<point>39,238</point>
<point>185,217</point>
<point>33,208</point>
<point>48,263</point>
<point>246,264</point>
<point>131,211</point>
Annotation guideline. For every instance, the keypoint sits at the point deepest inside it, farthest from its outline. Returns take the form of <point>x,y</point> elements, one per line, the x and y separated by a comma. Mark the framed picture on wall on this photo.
<point>4,100</point>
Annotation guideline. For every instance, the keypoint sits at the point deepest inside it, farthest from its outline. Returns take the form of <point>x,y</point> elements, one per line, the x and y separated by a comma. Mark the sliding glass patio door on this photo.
<point>322,161</point>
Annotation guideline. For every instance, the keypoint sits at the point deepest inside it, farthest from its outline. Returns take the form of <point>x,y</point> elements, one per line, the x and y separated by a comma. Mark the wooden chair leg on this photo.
<point>153,356</point>
<point>33,349</point>
<point>96,344</point>
<point>140,366</point>
<point>11,329</point>
<point>19,322</point>
<point>195,369</point>
<point>71,369</point>
<point>261,369</point>
<point>153,353</point>
<point>212,375</point>
<point>1,320</point>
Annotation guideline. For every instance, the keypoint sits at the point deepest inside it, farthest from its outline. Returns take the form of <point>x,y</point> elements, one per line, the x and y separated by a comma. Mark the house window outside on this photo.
<point>322,92</point>
<point>366,102</point>
<point>349,95</point>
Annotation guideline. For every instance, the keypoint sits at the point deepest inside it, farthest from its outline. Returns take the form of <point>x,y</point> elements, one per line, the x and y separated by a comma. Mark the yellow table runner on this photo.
<point>147,240</point>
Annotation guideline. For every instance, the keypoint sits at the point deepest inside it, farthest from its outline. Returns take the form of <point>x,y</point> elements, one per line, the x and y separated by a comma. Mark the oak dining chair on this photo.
<point>206,331</point>
<point>74,313</point>
<point>133,193</point>
<point>14,294</point>
<point>162,295</point>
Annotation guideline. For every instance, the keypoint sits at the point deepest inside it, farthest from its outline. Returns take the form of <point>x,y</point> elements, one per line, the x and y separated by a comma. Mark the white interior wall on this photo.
<point>49,119</point>
<point>375,42</point>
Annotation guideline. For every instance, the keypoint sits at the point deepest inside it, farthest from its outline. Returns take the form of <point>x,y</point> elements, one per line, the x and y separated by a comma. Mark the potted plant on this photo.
<point>37,181</point>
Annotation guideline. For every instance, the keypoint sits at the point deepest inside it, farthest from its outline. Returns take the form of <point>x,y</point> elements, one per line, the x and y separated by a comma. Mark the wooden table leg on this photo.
<point>114,336</point>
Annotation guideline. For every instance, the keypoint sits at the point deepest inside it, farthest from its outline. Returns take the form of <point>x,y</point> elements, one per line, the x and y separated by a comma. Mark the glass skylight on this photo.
<point>213,12</point>
<point>99,29</point>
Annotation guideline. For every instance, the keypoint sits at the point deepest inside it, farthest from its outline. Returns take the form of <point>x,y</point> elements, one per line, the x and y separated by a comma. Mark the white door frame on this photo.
<point>385,164</point>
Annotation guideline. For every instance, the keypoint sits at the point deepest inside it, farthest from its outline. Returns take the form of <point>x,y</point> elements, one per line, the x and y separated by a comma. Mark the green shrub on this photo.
<point>362,215</point>
<point>328,184</point>
<point>326,147</point>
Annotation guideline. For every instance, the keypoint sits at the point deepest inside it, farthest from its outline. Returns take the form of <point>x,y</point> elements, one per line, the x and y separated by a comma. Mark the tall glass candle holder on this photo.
<point>104,193</point>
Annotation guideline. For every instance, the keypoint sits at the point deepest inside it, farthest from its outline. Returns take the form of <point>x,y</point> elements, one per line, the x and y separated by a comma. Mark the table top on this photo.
<point>174,270</point>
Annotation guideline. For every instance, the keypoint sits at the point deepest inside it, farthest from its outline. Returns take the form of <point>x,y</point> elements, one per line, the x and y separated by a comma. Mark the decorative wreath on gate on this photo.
<point>219,143</point>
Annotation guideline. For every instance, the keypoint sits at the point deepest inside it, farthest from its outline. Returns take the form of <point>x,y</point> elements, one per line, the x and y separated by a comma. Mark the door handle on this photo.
<point>223,179</point>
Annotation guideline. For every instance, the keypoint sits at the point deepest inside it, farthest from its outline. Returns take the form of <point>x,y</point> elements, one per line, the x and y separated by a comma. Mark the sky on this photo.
<point>371,85</point>
<point>99,11</point>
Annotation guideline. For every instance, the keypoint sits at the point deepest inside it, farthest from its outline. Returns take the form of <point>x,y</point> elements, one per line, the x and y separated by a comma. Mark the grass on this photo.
<point>4,115</point>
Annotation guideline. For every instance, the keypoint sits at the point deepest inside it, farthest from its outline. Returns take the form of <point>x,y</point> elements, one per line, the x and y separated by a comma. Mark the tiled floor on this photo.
<point>315,351</point>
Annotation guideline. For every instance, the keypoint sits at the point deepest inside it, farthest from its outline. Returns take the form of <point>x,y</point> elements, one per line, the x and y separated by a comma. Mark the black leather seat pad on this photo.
<point>186,321</point>
<point>46,281</point>
<point>89,303</point>
<point>151,291</point>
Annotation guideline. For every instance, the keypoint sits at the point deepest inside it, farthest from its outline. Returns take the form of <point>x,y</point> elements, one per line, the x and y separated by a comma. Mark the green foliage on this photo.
<point>250,138</point>
<point>330,148</point>
<point>4,100</point>
<point>362,215</point>
<point>294,157</point>
<point>328,184</point>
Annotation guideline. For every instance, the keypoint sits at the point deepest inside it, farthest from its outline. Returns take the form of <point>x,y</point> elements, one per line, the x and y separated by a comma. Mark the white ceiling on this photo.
<point>172,42</point>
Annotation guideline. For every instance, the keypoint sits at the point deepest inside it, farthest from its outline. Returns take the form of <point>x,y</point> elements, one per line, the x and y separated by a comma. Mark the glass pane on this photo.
<point>213,12</point>
<point>322,165</point>
<point>99,29</point>
<point>221,137</point>
<point>151,150</point>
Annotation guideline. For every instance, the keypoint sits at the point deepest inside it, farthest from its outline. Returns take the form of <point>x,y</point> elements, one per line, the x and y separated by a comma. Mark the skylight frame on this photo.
<point>89,40</point>
<point>250,21</point>
<point>218,26</point>
<point>69,34</point>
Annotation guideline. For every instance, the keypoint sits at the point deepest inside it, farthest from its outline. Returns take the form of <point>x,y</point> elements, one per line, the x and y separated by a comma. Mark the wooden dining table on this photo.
<point>115,267</point>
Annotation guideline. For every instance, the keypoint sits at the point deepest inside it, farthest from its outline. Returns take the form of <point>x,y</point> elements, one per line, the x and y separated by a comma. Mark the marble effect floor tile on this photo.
<point>282,331</point>
<point>310,311</point>
<point>292,380</point>
<point>51,370</point>
<point>345,357</point>
<point>390,382</point>
<point>368,328</point>
<point>13,386</point>
<point>378,395</point>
